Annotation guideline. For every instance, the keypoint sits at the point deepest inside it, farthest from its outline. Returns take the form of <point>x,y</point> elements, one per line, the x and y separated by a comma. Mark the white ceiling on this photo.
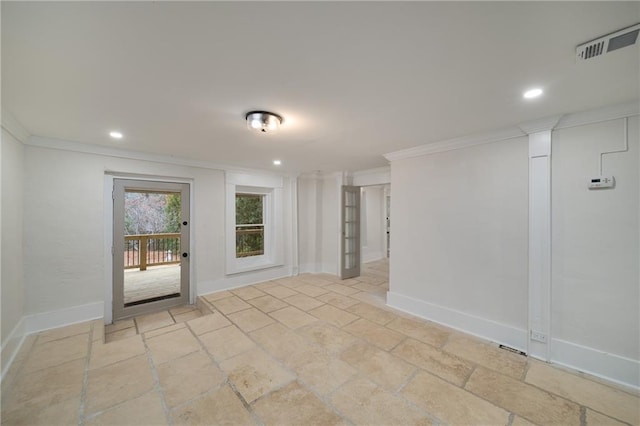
<point>353,80</point>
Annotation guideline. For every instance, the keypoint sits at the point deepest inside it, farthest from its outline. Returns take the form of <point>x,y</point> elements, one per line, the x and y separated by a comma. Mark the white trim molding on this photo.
<point>615,368</point>
<point>612,112</point>
<point>457,143</point>
<point>377,176</point>
<point>484,328</point>
<point>11,346</point>
<point>14,127</point>
<point>62,317</point>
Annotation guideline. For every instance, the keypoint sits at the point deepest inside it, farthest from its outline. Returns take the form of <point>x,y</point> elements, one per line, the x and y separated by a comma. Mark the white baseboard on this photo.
<point>11,346</point>
<point>618,369</point>
<point>309,268</point>
<point>484,328</point>
<point>54,319</point>
<point>373,256</point>
<point>243,279</point>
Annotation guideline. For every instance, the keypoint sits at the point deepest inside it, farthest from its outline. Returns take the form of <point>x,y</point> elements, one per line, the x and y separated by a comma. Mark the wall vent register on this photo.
<point>609,43</point>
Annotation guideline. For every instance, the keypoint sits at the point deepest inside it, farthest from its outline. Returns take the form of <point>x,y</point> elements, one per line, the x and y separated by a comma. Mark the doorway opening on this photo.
<point>150,246</point>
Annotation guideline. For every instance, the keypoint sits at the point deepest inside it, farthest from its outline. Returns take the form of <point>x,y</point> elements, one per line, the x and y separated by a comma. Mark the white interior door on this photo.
<point>150,246</point>
<point>350,245</point>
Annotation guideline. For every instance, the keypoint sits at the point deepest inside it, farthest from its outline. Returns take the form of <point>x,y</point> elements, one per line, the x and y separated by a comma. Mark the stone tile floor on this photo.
<point>303,350</point>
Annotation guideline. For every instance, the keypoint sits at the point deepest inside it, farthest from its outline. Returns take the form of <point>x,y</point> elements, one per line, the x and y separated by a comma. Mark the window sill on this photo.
<point>254,263</point>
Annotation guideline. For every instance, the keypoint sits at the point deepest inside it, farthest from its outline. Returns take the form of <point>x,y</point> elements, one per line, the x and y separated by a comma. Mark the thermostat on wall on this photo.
<point>599,182</point>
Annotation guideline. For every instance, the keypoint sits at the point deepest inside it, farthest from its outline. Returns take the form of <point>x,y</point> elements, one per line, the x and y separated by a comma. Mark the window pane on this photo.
<point>249,209</point>
<point>249,241</point>
<point>249,225</point>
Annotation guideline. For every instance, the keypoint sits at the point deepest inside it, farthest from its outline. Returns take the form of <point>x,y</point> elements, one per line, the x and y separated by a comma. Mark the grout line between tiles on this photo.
<point>85,377</point>
<point>156,381</point>
<point>510,419</point>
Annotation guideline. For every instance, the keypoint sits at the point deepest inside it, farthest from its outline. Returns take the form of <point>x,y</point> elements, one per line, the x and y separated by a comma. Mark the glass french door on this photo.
<point>350,243</point>
<point>150,246</point>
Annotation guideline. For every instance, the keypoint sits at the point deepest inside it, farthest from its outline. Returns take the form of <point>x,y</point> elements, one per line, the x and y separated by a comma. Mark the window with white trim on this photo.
<point>254,222</point>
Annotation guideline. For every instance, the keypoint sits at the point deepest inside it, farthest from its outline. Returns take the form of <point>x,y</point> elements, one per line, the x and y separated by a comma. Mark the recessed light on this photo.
<point>115,135</point>
<point>533,93</point>
<point>277,162</point>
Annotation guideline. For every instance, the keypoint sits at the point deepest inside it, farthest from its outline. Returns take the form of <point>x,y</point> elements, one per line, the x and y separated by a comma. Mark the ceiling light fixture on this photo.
<point>277,162</point>
<point>263,121</point>
<point>533,93</point>
<point>115,135</point>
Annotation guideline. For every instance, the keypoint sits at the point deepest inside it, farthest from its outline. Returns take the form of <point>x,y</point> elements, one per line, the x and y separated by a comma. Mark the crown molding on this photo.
<point>535,126</point>
<point>612,112</point>
<point>457,143</point>
<point>14,127</point>
<point>383,169</point>
<point>64,145</point>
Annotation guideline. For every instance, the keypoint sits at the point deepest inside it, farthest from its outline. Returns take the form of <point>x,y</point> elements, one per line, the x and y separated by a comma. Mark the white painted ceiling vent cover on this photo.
<point>609,43</point>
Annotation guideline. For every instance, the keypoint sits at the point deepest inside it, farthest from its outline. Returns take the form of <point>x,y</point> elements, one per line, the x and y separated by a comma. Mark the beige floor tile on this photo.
<point>451,404</point>
<point>144,410</point>
<point>368,288</point>
<point>279,341</point>
<point>164,330</point>
<point>426,332</point>
<point>304,302</point>
<point>519,421</point>
<point>62,332</point>
<point>110,353</point>
<point>338,300</point>
<point>522,399</point>
<point>254,373</point>
<point>364,403</point>
<point>218,295</point>
<point>226,342</point>
<point>311,290</point>
<point>294,405</point>
<point>319,369</point>
<point>377,315</point>
<point>593,418</point>
<point>375,334</point>
<point>280,291</point>
<point>119,325</point>
<point>327,336</point>
<point>217,408</point>
<point>116,383</point>
<point>250,319</point>
<point>153,321</point>
<point>57,352</point>
<point>293,317</point>
<point>378,365</point>
<point>185,378</point>
<point>229,305</point>
<point>289,282</point>
<point>612,402</point>
<point>98,330</point>
<point>267,284</point>
<point>120,334</point>
<point>169,346</point>
<point>486,354</point>
<point>333,315</point>
<point>208,323</point>
<point>268,303</point>
<point>247,293</point>
<point>45,387</point>
<point>186,316</point>
<point>434,360</point>
<point>344,290</point>
<point>57,413</point>
<point>182,309</point>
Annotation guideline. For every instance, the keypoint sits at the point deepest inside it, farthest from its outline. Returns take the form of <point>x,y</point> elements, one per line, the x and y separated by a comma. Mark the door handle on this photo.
<point>184,255</point>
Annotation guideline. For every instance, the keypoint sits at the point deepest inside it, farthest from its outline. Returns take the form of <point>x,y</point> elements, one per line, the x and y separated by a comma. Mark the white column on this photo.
<point>539,244</point>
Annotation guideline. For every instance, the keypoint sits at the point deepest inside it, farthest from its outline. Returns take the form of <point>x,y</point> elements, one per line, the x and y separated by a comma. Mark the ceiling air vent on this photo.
<point>608,43</point>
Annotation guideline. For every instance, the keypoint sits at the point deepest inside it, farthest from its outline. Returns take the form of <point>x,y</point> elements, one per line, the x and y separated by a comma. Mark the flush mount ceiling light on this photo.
<point>115,135</point>
<point>533,93</point>
<point>263,121</point>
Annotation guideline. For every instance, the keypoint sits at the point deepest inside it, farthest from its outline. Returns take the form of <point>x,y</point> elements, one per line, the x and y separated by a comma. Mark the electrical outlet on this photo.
<point>538,337</point>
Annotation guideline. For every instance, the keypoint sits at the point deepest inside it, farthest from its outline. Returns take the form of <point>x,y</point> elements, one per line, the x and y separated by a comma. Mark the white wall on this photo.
<point>12,291</point>
<point>310,223</point>
<point>373,229</point>
<point>64,239</point>
<point>595,257</point>
<point>459,238</point>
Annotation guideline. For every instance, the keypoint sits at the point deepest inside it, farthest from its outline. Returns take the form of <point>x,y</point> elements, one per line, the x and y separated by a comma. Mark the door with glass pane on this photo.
<point>350,246</point>
<point>150,246</point>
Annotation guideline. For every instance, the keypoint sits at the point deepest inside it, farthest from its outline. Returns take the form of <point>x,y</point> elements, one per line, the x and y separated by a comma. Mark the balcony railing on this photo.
<point>145,250</point>
<point>249,240</point>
